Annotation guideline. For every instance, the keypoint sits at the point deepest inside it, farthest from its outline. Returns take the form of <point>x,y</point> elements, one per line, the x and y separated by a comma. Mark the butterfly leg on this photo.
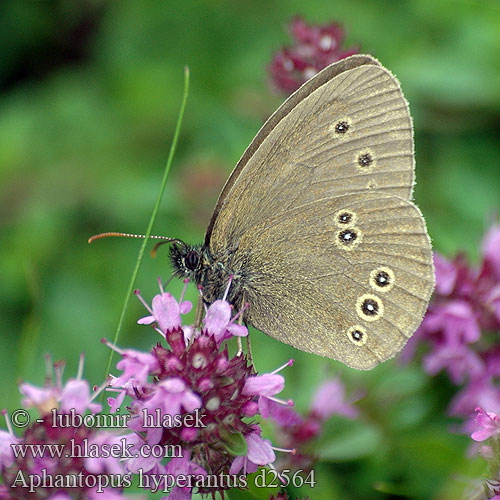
<point>249,348</point>
<point>199,313</point>
<point>240,322</point>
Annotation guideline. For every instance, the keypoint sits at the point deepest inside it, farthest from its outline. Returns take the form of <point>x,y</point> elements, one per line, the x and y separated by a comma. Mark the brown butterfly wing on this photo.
<point>312,289</point>
<point>344,139</point>
<point>300,155</point>
<point>293,100</point>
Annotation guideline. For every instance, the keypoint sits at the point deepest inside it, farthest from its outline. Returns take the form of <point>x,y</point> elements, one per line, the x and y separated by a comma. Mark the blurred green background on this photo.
<point>89,96</point>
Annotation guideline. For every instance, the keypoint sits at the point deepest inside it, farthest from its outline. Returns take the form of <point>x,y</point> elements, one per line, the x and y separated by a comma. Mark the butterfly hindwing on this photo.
<point>347,278</point>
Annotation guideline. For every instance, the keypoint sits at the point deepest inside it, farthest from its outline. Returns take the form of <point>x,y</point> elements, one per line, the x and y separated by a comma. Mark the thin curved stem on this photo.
<point>153,216</point>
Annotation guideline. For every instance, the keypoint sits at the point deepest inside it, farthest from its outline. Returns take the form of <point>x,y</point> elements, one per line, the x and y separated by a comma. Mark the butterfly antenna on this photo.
<point>160,243</point>
<point>165,239</point>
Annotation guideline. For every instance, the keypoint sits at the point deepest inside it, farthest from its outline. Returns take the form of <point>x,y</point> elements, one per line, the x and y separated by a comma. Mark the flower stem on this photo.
<point>153,216</point>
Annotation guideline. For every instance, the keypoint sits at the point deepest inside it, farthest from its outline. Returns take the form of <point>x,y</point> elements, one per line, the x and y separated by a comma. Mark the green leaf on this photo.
<point>357,440</point>
<point>234,442</point>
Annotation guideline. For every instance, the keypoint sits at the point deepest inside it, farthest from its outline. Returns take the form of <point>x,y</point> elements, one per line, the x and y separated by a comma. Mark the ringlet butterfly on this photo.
<point>315,224</point>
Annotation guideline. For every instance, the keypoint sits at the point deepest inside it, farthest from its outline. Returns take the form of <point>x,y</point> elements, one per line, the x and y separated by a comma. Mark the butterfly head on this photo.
<point>186,260</point>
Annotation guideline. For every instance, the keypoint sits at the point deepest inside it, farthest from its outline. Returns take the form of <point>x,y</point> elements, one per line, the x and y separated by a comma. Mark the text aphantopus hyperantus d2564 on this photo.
<point>316,226</point>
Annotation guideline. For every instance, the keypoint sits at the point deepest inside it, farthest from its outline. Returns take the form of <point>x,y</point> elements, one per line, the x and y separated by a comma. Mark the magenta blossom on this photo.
<point>486,428</point>
<point>315,47</point>
<point>62,400</point>
<point>266,386</point>
<point>165,311</point>
<point>260,452</point>
<point>462,326</point>
<point>456,321</point>
<point>188,393</point>
<point>169,397</point>
<point>218,322</point>
<point>488,423</point>
<point>136,367</point>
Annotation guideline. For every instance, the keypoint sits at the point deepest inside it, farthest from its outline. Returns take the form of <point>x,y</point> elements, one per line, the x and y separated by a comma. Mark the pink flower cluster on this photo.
<point>194,374</point>
<point>187,377</point>
<point>65,465</point>
<point>315,48</point>
<point>462,327</point>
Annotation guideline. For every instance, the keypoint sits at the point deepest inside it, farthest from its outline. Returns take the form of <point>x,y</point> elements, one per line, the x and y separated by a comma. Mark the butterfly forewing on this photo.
<point>286,108</point>
<point>351,134</point>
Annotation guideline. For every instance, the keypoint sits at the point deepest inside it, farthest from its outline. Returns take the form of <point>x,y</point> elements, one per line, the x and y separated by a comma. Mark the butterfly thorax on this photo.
<point>211,272</point>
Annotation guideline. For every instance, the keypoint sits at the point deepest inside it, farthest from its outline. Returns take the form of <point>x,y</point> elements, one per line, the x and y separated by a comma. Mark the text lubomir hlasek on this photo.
<point>117,421</point>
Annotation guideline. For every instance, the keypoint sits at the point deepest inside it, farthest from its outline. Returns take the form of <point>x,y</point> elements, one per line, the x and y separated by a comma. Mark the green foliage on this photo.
<point>235,443</point>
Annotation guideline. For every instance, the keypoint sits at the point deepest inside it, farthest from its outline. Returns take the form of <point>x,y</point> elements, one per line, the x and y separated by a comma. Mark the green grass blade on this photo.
<point>153,217</point>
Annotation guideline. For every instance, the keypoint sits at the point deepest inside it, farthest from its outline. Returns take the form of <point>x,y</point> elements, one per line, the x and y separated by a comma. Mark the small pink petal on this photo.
<point>146,320</point>
<point>260,451</point>
<point>217,318</point>
<point>75,395</point>
<point>446,274</point>
<point>166,312</point>
<point>185,307</point>
<point>115,403</point>
<point>264,385</point>
<point>237,465</point>
<point>238,330</point>
<point>481,434</point>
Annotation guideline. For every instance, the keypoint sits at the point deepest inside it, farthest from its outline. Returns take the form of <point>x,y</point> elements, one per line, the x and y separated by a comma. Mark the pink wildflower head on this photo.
<point>488,423</point>
<point>60,429</point>
<point>165,312</point>
<point>201,377</point>
<point>462,325</point>
<point>315,47</point>
<point>194,381</point>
